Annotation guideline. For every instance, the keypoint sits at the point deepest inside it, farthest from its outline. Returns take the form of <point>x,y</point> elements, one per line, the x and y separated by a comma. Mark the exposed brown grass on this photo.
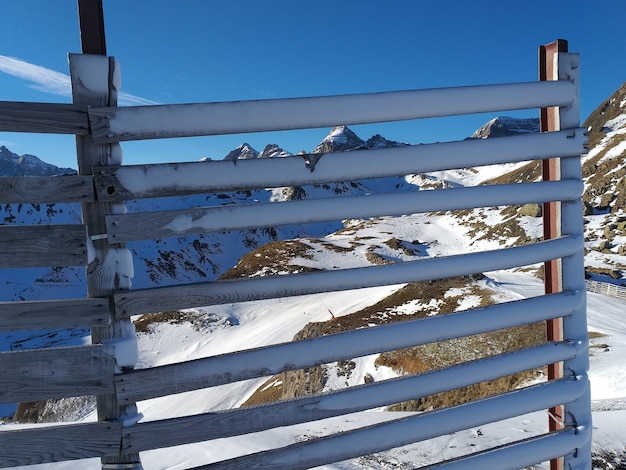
<point>145,323</point>
<point>524,174</point>
<point>412,360</point>
<point>429,357</point>
<point>272,258</point>
<point>270,391</point>
<point>382,312</point>
<point>596,335</point>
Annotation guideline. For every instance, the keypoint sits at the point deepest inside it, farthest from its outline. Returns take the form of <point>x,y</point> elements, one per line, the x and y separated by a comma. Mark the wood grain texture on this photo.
<point>46,118</point>
<point>53,314</point>
<point>182,222</point>
<point>260,362</point>
<point>118,183</point>
<point>227,423</point>
<point>135,302</point>
<point>418,427</point>
<point>56,373</point>
<point>46,189</point>
<point>196,119</point>
<point>30,246</point>
<point>95,81</point>
<point>57,443</point>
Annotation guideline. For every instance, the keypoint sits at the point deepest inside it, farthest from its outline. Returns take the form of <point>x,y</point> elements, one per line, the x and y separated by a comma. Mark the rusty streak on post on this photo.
<point>549,121</point>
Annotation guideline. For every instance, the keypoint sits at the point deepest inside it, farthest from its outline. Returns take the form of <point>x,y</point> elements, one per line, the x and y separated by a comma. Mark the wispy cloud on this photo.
<point>51,81</point>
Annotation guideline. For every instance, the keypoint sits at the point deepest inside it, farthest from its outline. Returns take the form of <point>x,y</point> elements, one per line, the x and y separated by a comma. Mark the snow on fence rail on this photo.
<point>92,369</point>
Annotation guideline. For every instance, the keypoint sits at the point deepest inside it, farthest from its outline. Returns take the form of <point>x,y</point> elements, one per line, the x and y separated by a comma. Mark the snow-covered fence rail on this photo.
<point>117,183</point>
<point>187,120</point>
<point>606,288</point>
<point>140,226</point>
<point>134,302</point>
<point>104,183</point>
<point>298,355</point>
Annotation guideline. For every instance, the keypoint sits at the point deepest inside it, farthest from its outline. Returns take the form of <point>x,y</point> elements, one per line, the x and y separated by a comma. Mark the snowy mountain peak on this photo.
<point>504,125</point>
<point>273,151</point>
<point>377,141</point>
<point>12,164</point>
<point>339,139</point>
<point>243,152</point>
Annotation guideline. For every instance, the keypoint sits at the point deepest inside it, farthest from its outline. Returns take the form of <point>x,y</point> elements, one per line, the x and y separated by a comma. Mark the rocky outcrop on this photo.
<point>505,126</point>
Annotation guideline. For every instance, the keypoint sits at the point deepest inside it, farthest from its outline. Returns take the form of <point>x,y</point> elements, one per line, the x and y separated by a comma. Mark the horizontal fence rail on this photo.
<point>53,314</point>
<point>397,433</point>
<point>140,226</point>
<point>172,179</point>
<point>46,118</point>
<point>176,431</point>
<point>522,454</point>
<point>187,120</point>
<point>44,189</point>
<point>58,443</point>
<point>135,302</point>
<point>158,381</point>
<point>28,246</point>
<point>63,372</point>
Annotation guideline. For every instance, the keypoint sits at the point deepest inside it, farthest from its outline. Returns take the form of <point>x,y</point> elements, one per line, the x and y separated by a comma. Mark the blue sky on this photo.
<point>220,50</point>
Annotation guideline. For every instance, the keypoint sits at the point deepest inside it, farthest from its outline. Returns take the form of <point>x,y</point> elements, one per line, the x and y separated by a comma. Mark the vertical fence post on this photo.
<point>549,121</point>
<point>91,21</point>
<point>95,82</point>
<point>577,413</point>
<point>564,218</point>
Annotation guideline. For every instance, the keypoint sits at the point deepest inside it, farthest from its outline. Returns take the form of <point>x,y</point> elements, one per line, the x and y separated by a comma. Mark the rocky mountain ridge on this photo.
<point>208,256</point>
<point>504,126</point>
<point>12,164</point>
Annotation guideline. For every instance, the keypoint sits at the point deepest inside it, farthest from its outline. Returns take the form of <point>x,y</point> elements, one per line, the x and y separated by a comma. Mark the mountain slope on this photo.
<point>12,164</point>
<point>203,332</point>
<point>504,126</point>
<point>604,174</point>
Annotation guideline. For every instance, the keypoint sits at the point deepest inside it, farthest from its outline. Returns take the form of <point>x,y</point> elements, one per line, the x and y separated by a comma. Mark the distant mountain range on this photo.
<point>208,256</point>
<point>12,164</point>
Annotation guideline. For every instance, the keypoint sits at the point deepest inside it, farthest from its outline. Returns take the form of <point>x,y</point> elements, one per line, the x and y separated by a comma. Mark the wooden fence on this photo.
<point>105,368</point>
<point>606,288</point>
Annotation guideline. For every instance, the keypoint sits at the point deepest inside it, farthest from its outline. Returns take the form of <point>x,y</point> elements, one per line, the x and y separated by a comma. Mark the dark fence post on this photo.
<point>549,121</point>
<point>91,21</point>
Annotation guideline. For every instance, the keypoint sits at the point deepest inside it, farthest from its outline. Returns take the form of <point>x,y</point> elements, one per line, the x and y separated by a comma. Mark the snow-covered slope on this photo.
<point>221,329</point>
<point>215,330</point>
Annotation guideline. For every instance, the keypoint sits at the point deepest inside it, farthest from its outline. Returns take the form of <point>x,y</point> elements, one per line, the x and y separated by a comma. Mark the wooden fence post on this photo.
<point>95,80</point>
